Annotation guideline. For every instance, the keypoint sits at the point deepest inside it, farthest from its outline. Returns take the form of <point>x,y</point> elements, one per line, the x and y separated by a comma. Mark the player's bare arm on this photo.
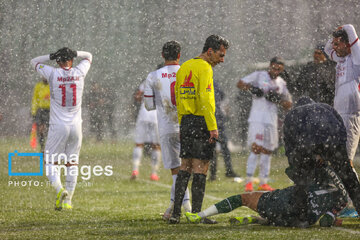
<point>242,85</point>
<point>286,105</point>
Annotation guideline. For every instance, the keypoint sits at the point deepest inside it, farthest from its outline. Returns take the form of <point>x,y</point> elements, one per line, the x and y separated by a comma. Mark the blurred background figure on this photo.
<point>317,78</point>
<point>221,112</point>
<point>269,92</point>
<point>96,104</point>
<point>109,107</point>
<point>40,111</point>
<point>146,131</point>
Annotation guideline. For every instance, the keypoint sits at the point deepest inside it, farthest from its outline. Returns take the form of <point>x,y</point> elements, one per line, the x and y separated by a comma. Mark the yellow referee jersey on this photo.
<point>194,91</point>
<point>41,97</point>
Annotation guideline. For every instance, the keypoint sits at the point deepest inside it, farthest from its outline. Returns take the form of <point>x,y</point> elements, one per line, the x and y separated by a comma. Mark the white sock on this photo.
<point>172,193</point>
<point>155,160</point>
<point>210,211</point>
<point>53,174</point>
<point>251,166</point>
<point>265,162</point>
<point>137,154</point>
<point>71,180</point>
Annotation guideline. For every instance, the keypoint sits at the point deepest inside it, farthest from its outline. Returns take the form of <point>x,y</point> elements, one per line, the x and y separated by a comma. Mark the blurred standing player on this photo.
<point>269,90</point>
<point>40,110</point>
<point>65,132</point>
<point>146,131</point>
<point>344,49</point>
<point>159,94</point>
<point>195,101</point>
<point>220,115</point>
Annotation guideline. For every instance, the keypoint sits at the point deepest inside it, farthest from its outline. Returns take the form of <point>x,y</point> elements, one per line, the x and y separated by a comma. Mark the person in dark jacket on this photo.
<point>315,137</point>
<point>317,78</point>
<point>221,119</point>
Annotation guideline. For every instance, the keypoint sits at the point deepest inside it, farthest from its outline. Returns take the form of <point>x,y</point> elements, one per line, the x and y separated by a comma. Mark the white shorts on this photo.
<point>352,125</point>
<point>63,139</point>
<point>170,150</point>
<point>146,132</point>
<point>264,135</point>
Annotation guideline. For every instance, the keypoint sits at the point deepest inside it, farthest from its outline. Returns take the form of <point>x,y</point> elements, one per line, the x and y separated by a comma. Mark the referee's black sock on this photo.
<point>198,191</point>
<point>181,184</point>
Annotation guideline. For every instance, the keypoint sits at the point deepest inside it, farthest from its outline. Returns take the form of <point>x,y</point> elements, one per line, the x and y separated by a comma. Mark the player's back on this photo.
<point>66,87</point>
<point>162,83</point>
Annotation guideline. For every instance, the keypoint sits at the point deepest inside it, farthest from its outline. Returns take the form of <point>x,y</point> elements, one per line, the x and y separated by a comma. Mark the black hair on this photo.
<point>342,34</point>
<point>214,42</point>
<point>277,60</point>
<point>171,50</point>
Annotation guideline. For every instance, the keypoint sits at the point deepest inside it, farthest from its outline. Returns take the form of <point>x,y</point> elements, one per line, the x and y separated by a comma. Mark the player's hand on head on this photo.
<point>74,53</point>
<point>273,97</point>
<point>55,55</point>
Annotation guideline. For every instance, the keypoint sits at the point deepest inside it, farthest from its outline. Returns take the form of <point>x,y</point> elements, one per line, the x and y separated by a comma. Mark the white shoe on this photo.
<point>167,214</point>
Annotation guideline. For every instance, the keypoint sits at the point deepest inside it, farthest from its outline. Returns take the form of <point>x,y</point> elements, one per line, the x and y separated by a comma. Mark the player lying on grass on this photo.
<point>315,145</point>
<point>279,207</point>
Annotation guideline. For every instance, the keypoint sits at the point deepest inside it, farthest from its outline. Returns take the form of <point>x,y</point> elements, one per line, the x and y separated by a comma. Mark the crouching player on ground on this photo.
<point>315,144</point>
<point>65,132</point>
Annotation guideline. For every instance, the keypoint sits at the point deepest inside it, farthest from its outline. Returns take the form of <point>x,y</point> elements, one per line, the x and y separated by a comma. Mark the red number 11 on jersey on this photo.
<point>63,94</point>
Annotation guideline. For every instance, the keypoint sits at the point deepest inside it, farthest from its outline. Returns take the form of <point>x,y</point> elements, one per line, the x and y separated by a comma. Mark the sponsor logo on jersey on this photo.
<point>259,137</point>
<point>208,89</point>
<point>41,66</point>
<point>188,87</point>
<point>68,79</point>
<point>170,75</point>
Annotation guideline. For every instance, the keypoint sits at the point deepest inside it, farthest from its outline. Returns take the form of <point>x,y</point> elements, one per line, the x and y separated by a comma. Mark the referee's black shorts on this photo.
<point>194,138</point>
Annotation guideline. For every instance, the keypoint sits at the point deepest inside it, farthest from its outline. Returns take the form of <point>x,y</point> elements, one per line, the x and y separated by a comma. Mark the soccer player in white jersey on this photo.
<point>269,90</point>
<point>146,131</point>
<point>65,133</point>
<point>344,49</point>
<point>160,95</point>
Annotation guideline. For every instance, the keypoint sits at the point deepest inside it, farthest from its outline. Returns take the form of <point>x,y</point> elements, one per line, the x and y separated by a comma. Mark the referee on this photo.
<point>40,110</point>
<point>195,101</point>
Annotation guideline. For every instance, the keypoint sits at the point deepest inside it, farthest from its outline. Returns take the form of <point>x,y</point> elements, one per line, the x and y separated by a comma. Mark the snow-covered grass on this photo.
<point>114,207</point>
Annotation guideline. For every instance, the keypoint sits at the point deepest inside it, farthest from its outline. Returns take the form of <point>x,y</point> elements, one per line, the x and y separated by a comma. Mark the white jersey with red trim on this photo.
<point>145,115</point>
<point>262,110</point>
<point>159,93</point>
<point>347,83</point>
<point>66,88</point>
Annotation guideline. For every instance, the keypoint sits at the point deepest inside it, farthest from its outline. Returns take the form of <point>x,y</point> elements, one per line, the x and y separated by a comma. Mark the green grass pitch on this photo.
<point>113,207</point>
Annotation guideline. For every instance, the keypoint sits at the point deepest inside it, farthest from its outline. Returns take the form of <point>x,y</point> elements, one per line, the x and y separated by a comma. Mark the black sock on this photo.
<point>181,184</point>
<point>198,191</point>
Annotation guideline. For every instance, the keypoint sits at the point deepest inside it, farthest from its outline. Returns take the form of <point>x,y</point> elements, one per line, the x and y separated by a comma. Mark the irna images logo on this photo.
<point>15,154</point>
